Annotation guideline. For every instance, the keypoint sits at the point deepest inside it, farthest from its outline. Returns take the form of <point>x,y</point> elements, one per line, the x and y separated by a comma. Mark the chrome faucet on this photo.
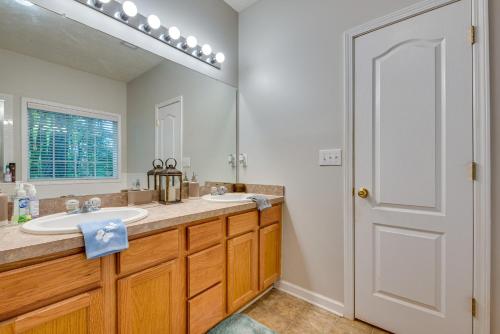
<point>94,204</point>
<point>214,191</point>
<point>222,190</point>
<point>87,207</point>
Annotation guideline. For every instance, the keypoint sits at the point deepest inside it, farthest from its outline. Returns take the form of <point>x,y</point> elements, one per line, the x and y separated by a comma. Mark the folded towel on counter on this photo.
<point>104,238</point>
<point>262,201</point>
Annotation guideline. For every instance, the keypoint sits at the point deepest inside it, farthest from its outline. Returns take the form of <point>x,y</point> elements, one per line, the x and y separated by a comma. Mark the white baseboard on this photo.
<point>314,298</point>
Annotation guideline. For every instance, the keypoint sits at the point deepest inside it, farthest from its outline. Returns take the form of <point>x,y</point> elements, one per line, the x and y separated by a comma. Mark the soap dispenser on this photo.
<point>34,202</point>
<point>194,188</point>
<point>21,205</point>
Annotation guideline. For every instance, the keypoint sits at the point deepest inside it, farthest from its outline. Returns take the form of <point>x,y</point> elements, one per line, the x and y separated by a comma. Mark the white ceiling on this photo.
<point>42,34</point>
<point>240,5</point>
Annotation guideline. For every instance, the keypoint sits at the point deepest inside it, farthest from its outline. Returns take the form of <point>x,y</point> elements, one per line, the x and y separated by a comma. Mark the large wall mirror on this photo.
<point>78,106</point>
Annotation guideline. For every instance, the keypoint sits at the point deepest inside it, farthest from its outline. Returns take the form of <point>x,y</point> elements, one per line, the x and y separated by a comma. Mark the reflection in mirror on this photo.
<point>6,137</point>
<point>86,113</point>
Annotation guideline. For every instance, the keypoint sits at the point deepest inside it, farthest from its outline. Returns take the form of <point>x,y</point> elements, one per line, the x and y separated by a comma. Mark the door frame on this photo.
<point>177,99</point>
<point>7,124</point>
<point>482,157</point>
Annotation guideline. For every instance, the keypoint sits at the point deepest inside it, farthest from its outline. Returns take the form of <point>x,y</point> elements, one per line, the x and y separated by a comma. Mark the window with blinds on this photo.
<point>68,144</point>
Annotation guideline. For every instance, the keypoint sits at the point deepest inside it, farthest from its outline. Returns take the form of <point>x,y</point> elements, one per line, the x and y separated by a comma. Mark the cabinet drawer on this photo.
<point>148,251</point>
<point>242,223</point>
<point>33,284</point>
<point>206,310</point>
<point>205,269</point>
<point>204,235</point>
<point>270,216</point>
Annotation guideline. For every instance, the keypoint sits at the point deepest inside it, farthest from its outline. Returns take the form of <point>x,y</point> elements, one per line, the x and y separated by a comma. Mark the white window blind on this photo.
<point>68,144</point>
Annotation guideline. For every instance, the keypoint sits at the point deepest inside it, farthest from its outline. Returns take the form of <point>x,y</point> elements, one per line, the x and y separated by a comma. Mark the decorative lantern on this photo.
<point>170,183</point>
<point>154,175</point>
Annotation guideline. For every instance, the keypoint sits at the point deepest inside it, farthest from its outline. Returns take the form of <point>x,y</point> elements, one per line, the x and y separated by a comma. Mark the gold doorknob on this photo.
<point>363,192</point>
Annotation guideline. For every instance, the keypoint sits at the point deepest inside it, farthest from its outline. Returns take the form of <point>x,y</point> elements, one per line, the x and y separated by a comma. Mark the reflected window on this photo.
<point>66,143</point>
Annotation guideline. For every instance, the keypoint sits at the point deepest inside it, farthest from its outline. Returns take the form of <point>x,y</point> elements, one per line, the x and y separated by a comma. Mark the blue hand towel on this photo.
<point>262,201</point>
<point>104,238</point>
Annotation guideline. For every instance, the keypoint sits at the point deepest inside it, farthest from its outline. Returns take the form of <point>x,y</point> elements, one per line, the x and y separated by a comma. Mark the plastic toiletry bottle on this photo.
<point>21,205</point>
<point>194,188</point>
<point>7,177</point>
<point>4,209</point>
<point>185,187</point>
<point>34,202</point>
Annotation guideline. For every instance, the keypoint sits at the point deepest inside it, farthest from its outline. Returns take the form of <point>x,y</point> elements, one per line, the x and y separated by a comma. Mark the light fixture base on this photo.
<point>139,22</point>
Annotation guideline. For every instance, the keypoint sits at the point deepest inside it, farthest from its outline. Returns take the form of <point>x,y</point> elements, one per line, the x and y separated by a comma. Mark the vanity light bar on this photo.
<point>127,13</point>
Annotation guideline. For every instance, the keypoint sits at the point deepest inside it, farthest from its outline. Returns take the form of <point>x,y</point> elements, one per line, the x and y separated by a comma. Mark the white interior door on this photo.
<point>413,151</point>
<point>169,130</point>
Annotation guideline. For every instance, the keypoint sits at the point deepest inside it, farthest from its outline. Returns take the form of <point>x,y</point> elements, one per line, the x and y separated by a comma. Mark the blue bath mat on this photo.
<point>240,324</point>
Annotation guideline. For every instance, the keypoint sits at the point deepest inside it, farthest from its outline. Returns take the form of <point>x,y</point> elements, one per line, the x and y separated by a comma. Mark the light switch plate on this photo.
<point>332,157</point>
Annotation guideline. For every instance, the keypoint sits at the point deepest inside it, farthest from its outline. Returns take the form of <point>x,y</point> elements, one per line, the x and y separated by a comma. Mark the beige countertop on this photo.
<point>16,245</point>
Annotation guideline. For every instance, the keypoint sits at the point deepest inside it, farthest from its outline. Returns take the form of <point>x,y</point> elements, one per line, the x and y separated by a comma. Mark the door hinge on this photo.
<point>474,307</point>
<point>473,171</point>
<point>472,35</point>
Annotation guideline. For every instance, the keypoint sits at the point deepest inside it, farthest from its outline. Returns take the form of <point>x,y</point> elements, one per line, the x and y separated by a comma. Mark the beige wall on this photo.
<point>212,21</point>
<point>209,121</point>
<point>23,76</point>
<point>291,106</point>
<point>291,100</point>
<point>495,130</point>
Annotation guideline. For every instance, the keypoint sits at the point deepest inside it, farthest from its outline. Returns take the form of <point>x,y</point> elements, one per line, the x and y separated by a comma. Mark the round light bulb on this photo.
<point>220,58</point>
<point>174,33</point>
<point>154,22</point>
<point>129,8</point>
<point>191,41</point>
<point>206,50</point>
<point>25,3</point>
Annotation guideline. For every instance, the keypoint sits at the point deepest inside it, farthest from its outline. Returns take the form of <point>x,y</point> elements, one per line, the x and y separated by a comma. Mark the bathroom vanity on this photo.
<point>187,268</point>
<point>96,113</point>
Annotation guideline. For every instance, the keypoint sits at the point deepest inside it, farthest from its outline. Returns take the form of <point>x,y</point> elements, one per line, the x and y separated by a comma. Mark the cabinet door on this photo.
<point>269,255</point>
<point>148,301</point>
<point>82,314</point>
<point>242,270</point>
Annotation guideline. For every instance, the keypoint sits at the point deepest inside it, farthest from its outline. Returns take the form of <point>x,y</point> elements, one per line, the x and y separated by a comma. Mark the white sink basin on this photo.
<point>63,223</point>
<point>228,198</point>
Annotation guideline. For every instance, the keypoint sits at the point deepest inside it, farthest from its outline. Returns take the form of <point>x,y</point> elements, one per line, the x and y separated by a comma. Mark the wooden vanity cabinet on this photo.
<point>270,246</point>
<point>206,310</point>
<point>242,270</point>
<point>81,314</point>
<point>205,270</point>
<point>269,255</point>
<point>182,280</point>
<point>148,300</point>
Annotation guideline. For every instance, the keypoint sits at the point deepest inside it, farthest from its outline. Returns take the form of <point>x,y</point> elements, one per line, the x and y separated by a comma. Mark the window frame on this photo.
<point>70,110</point>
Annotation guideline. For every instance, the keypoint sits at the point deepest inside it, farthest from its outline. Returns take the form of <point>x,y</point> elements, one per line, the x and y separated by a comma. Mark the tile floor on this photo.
<point>286,314</point>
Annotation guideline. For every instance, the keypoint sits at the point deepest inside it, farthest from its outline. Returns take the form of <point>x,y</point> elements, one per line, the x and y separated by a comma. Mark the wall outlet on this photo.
<point>331,157</point>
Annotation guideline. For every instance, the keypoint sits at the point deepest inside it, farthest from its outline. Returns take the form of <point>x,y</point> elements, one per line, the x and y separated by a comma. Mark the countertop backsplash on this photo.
<point>50,206</point>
